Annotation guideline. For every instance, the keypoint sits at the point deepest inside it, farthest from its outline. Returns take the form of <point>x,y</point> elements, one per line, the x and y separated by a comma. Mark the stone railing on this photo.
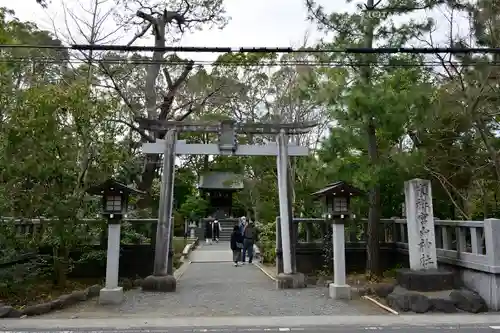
<point>468,244</point>
<point>355,230</point>
<point>36,227</point>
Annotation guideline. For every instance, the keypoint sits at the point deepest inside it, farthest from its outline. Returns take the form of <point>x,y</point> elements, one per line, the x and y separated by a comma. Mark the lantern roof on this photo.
<point>110,185</point>
<point>339,188</point>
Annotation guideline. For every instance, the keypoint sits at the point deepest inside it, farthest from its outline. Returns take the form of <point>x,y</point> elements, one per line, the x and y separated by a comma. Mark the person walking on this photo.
<point>216,230</point>
<point>249,238</point>
<point>208,232</point>
<point>236,244</point>
<point>243,223</point>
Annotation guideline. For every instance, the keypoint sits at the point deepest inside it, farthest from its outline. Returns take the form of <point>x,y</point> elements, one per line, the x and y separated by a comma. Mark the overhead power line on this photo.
<point>196,49</point>
<point>345,63</point>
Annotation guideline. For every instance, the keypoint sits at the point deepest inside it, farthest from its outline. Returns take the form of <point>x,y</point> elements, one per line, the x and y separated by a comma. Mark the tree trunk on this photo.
<point>373,250</point>
<point>372,264</point>
<point>61,260</point>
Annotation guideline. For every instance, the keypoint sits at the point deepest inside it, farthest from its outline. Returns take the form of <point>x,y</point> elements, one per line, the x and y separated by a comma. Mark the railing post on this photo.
<point>492,244</point>
<point>492,241</point>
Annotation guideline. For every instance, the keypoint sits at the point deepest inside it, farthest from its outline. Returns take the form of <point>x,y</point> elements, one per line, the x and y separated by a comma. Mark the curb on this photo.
<point>188,248</point>
<point>179,272</point>
<point>259,266</point>
<point>341,322</point>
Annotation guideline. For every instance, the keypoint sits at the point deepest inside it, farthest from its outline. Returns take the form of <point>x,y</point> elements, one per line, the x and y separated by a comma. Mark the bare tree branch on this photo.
<point>140,33</point>
<point>194,107</point>
<point>168,99</point>
<point>147,17</point>
<point>117,87</point>
<point>167,78</point>
<point>444,184</point>
<point>141,132</point>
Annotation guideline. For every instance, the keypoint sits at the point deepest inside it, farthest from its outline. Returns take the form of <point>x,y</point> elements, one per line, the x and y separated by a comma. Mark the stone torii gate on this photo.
<point>227,145</point>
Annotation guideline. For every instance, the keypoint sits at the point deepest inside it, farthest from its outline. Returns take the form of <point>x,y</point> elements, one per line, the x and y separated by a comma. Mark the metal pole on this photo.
<point>282,165</point>
<point>164,227</point>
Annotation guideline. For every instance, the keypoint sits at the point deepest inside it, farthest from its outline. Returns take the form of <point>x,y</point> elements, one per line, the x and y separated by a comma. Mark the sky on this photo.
<point>267,23</point>
<point>264,23</point>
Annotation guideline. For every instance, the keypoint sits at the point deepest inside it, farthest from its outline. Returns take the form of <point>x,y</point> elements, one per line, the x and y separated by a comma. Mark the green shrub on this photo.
<point>267,241</point>
<point>15,278</point>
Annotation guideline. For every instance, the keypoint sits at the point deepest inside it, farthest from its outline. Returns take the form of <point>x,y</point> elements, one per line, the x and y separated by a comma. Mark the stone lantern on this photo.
<point>115,197</point>
<point>336,198</point>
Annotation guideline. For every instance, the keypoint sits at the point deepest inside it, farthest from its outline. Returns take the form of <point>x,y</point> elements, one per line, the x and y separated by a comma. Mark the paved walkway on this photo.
<point>215,252</point>
<point>209,288</point>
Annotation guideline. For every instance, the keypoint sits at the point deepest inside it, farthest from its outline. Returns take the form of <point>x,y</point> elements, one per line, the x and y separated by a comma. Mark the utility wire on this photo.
<point>196,49</point>
<point>392,63</point>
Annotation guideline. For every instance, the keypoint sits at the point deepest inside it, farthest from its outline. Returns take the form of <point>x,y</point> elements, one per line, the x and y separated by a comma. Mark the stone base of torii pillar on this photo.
<point>165,283</point>
<point>291,281</point>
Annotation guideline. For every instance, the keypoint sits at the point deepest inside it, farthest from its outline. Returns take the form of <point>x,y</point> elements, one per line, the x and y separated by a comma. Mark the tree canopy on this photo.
<point>67,118</point>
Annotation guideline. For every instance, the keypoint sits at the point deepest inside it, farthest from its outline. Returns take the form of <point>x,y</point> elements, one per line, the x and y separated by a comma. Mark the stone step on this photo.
<point>227,229</point>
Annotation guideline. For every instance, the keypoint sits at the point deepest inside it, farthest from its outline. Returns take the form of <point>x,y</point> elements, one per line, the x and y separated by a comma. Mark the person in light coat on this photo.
<point>243,223</point>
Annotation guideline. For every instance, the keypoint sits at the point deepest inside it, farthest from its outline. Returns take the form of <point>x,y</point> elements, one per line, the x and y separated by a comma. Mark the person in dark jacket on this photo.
<point>236,244</point>
<point>249,238</point>
<point>208,232</point>
<point>216,229</point>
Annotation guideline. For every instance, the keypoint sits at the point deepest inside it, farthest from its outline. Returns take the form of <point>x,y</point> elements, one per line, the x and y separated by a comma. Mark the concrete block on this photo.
<point>341,292</point>
<point>290,281</point>
<point>111,296</point>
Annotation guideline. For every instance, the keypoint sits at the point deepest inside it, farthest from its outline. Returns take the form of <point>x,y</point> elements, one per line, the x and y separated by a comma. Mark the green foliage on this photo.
<point>131,235</point>
<point>327,251</point>
<point>66,126</point>
<point>194,208</point>
<point>15,278</point>
<point>267,241</point>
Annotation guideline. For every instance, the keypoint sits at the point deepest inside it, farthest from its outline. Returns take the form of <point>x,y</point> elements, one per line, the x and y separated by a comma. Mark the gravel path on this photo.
<point>219,289</point>
<point>210,288</point>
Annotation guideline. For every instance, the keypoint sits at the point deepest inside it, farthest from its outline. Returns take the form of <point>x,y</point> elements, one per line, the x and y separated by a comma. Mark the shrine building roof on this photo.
<point>218,180</point>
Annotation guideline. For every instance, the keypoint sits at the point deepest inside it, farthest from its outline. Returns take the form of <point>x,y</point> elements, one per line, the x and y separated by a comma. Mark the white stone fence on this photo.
<point>469,244</point>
